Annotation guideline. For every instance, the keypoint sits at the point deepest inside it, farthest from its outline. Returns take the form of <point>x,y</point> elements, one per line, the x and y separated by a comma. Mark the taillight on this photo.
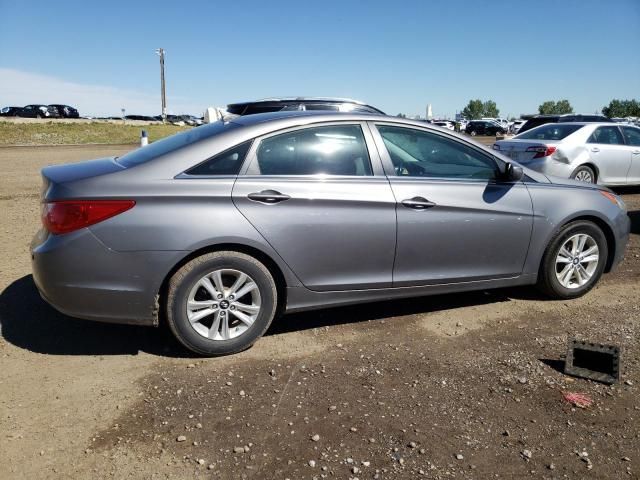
<point>69,215</point>
<point>542,151</point>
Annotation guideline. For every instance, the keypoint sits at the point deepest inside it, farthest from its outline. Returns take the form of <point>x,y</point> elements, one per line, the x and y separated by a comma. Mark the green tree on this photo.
<point>401,115</point>
<point>558,108</point>
<point>490,109</point>
<point>474,110</point>
<point>622,108</point>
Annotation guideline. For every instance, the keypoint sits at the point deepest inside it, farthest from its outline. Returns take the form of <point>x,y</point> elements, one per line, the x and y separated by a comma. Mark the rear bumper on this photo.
<point>80,277</point>
<point>551,167</point>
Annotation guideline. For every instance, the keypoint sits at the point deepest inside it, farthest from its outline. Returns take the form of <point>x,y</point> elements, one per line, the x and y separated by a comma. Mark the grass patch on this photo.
<point>58,133</point>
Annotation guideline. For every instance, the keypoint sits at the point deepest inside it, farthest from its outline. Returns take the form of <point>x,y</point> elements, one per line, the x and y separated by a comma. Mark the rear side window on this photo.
<point>551,131</point>
<point>330,150</point>
<point>225,163</point>
<point>632,135</point>
<point>606,136</point>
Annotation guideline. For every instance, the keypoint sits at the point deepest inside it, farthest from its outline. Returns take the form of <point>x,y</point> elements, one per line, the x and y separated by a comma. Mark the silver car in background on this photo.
<point>603,153</point>
<point>217,229</point>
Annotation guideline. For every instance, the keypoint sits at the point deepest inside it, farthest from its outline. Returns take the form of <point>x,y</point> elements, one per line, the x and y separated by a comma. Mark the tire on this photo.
<point>551,267</point>
<point>584,173</point>
<point>187,284</point>
<point>473,133</point>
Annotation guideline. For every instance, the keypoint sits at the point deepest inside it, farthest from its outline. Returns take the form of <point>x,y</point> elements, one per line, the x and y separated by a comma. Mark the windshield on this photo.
<point>172,143</point>
<point>550,131</point>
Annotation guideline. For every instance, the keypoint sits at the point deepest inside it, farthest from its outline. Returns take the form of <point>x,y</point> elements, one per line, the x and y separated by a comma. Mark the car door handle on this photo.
<point>636,152</point>
<point>418,203</point>
<point>268,196</point>
<point>595,149</point>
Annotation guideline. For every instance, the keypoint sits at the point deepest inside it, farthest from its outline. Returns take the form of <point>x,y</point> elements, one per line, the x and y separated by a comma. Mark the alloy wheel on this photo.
<point>584,176</point>
<point>223,304</point>
<point>577,261</point>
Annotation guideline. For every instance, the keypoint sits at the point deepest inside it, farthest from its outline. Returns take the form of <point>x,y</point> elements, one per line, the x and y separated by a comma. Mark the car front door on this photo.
<point>632,139</point>
<point>610,154</point>
<point>320,198</point>
<point>457,222</point>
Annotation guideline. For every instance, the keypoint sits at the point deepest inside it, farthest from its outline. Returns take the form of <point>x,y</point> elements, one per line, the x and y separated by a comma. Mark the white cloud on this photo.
<point>18,88</point>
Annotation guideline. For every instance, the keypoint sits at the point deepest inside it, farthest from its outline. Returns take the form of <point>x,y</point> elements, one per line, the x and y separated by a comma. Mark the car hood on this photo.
<point>569,182</point>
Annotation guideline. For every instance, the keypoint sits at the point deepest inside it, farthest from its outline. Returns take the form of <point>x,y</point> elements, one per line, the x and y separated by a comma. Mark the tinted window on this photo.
<point>172,143</point>
<point>536,122</point>
<point>551,131</point>
<point>225,163</point>
<point>332,150</point>
<point>258,108</point>
<point>632,135</point>
<point>607,136</point>
<point>416,153</point>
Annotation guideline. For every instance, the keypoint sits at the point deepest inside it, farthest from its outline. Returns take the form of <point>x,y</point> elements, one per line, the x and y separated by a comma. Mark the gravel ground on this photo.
<point>456,386</point>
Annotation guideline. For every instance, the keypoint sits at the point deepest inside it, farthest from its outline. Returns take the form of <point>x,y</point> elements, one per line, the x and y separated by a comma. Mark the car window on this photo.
<point>330,150</point>
<point>225,163</point>
<point>416,153</point>
<point>606,136</point>
<point>632,135</point>
<point>321,106</point>
<point>550,131</point>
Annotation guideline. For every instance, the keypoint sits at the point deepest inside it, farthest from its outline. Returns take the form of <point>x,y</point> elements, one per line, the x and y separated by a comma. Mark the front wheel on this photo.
<point>221,303</point>
<point>574,261</point>
<point>473,133</point>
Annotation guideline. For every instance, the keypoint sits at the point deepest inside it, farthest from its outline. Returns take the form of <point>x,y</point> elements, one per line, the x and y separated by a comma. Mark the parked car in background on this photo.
<point>483,127</point>
<point>38,111</point>
<point>311,210</point>
<point>144,118</point>
<point>10,111</point>
<point>503,122</point>
<point>65,111</point>
<point>301,103</point>
<point>516,126</point>
<point>444,124</point>
<point>603,153</point>
<point>538,120</point>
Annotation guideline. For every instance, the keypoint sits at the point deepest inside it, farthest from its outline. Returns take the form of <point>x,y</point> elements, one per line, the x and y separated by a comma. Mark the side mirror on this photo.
<point>513,172</point>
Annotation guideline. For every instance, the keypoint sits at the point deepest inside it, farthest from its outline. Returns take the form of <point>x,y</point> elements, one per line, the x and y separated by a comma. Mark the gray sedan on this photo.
<point>218,229</point>
<point>603,153</point>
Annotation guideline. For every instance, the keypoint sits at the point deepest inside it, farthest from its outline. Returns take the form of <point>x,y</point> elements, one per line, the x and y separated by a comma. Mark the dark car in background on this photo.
<point>10,111</point>
<point>301,103</point>
<point>65,111</point>
<point>483,127</point>
<point>538,120</point>
<point>38,111</point>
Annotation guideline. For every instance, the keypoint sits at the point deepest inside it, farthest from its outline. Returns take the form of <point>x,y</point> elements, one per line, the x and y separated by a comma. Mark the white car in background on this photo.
<point>603,153</point>
<point>515,126</point>
<point>444,124</point>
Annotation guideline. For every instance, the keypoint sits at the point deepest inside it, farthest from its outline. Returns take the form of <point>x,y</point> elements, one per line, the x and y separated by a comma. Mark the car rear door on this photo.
<point>632,139</point>
<point>610,154</point>
<point>456,221</point>
<point>319,196</point>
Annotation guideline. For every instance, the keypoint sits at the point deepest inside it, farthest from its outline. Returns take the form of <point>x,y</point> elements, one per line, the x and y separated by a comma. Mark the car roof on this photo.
<point>308,99</point>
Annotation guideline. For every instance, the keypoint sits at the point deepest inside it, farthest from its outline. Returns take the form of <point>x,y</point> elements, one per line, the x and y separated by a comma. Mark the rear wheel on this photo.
<point>574,260</point>
<point>221,303</point>
<point>584,174</point>
<point>473,133</point>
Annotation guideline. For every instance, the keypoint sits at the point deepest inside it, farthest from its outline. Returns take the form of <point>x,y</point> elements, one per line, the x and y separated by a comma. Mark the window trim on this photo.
<point>374,158</point>
<point>390,169</point>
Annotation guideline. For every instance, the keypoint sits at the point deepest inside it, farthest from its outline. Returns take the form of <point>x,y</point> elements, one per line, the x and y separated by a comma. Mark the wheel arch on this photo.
<point>271,265</point>
<point>606,230</point>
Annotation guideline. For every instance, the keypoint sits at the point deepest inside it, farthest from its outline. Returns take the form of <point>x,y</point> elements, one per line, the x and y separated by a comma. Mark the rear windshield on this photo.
<point>172,143</point>
<point>550,131</point>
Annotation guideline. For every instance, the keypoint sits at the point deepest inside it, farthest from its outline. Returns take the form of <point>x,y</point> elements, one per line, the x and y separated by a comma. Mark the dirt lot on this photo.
<point>459,386</point>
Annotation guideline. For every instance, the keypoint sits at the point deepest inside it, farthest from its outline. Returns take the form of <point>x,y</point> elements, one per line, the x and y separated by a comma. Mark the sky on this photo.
<point>398,56</point>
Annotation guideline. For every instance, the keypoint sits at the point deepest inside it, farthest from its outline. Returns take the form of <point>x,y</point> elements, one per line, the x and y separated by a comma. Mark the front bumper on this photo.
<point>81,277</point>
<point>622,230</point>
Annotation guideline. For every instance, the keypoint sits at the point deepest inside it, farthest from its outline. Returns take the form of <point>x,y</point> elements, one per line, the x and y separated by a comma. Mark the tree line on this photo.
<point>477,109</point>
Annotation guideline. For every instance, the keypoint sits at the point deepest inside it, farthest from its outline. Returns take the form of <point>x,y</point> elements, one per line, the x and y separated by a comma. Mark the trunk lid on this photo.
<point>522,151</point>
<point>56,175</point>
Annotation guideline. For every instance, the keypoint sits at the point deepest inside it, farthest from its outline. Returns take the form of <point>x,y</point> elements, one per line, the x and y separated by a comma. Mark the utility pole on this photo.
<point>160,53</point>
